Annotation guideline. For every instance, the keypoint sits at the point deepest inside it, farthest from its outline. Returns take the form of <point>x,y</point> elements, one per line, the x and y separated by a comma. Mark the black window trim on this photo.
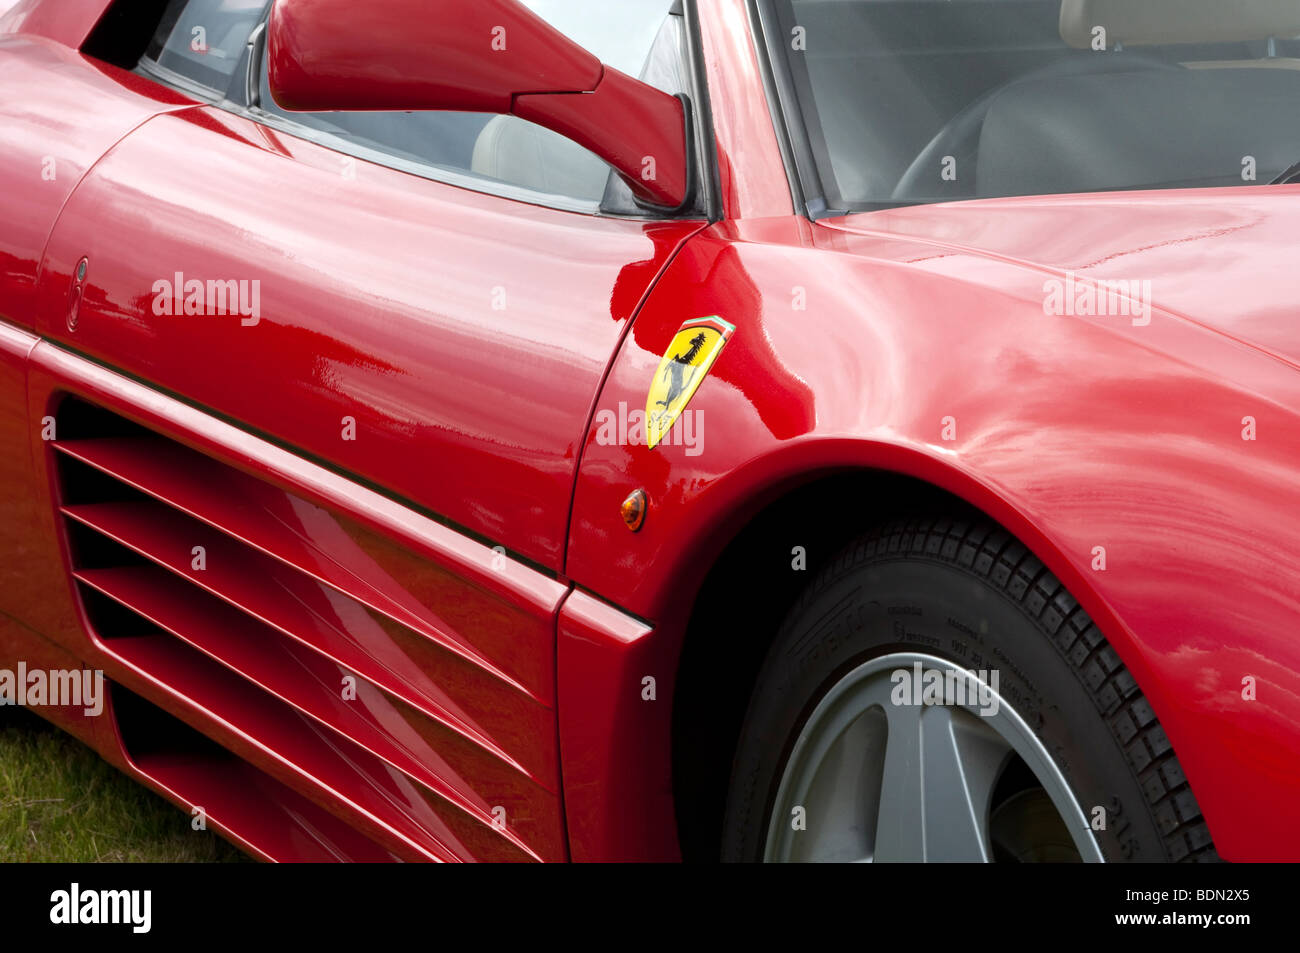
<point>708,175</point>
<point>798,151</point>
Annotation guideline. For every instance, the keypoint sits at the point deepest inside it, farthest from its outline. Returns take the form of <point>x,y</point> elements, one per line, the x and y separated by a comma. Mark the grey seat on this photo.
<point>521,153</point>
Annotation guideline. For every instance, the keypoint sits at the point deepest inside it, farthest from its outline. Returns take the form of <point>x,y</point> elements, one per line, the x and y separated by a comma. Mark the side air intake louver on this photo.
<point>231,792</point>
<point>206,582</point>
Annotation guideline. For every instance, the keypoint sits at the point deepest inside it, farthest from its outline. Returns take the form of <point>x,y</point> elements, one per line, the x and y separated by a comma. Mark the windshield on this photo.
<point>909,101</point>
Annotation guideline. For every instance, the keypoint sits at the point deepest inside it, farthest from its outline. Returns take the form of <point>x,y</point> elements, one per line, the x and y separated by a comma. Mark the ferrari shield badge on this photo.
<point>688,358</point>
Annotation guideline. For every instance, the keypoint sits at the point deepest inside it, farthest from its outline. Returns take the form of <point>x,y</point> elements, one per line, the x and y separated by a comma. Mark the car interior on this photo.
<point>1017,97</point>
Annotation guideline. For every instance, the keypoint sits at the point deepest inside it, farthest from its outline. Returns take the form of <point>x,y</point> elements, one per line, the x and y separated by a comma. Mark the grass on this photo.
<point>59,801</point>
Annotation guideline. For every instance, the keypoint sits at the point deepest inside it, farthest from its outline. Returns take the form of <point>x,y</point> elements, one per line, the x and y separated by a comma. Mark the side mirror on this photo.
<point>492,56</point>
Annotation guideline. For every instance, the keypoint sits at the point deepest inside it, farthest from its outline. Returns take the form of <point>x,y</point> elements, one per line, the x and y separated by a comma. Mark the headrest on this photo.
<point>1158,22</point>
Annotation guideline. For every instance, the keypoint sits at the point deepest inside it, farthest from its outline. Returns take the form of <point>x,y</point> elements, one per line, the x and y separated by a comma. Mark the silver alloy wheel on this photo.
<point>879,781</point>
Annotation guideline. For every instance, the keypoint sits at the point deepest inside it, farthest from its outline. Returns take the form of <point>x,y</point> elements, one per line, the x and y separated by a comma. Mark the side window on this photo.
<point>638,37</point>
<point>201,42</point>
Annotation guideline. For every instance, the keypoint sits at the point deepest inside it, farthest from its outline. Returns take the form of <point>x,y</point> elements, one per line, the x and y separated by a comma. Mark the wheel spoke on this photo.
<point>941,764</point>
<point>840,800</point>
<point>877,781</point>
<point>962,759</point>
<point>900,824</point>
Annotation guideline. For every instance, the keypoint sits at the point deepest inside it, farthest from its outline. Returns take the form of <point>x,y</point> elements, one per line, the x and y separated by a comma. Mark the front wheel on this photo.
<point>937,695</point>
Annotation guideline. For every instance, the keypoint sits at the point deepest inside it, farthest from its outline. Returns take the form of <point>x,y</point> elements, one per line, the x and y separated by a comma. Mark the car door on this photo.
<point>319,387</point>
<point>58,114</point>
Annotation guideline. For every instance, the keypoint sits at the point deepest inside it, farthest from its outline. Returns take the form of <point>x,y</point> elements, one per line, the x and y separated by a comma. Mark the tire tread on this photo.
<point>993,555</point>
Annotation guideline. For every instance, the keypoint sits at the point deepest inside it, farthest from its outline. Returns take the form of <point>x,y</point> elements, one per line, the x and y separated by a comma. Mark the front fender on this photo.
<point>1083,437</point>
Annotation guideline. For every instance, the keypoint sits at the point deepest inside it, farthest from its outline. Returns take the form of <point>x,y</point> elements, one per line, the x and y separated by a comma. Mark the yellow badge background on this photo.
<point>692,352</point>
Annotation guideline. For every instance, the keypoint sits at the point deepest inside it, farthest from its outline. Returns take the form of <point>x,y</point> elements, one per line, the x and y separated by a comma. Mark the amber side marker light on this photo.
<point>633,510</point>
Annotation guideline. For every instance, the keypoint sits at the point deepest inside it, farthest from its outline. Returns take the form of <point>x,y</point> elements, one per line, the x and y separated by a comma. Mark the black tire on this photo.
<point>934,586</point>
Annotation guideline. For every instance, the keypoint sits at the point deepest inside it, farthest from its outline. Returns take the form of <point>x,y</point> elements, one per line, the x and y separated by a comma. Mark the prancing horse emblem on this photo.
<point>677,367</point>
<point>689,356</point>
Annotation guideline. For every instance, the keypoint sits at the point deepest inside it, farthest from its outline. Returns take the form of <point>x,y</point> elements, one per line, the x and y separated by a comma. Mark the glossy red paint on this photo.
<point>616,692</point>
<point>520,673</point>
<point>488,56</point>
<point>59,112</point>
<point>419,54</point>
<point>424,336</point>
<point>450,645</point>
<point>18,514</point>
<point>866,378</point>
<point>67,22</point>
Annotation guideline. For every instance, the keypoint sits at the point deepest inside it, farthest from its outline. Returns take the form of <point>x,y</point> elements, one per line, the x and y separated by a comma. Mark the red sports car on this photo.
<point>661,429</point>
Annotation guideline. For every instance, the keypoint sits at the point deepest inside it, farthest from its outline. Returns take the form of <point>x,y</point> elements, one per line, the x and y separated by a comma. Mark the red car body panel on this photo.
<point>315,62</point>
<point>618,798</point>
<point>67,22</point>
<point>431,357</point>
<point>865,378</point>
<point>457,687</point>
<point>911,341</point>
<point>61,115</point>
